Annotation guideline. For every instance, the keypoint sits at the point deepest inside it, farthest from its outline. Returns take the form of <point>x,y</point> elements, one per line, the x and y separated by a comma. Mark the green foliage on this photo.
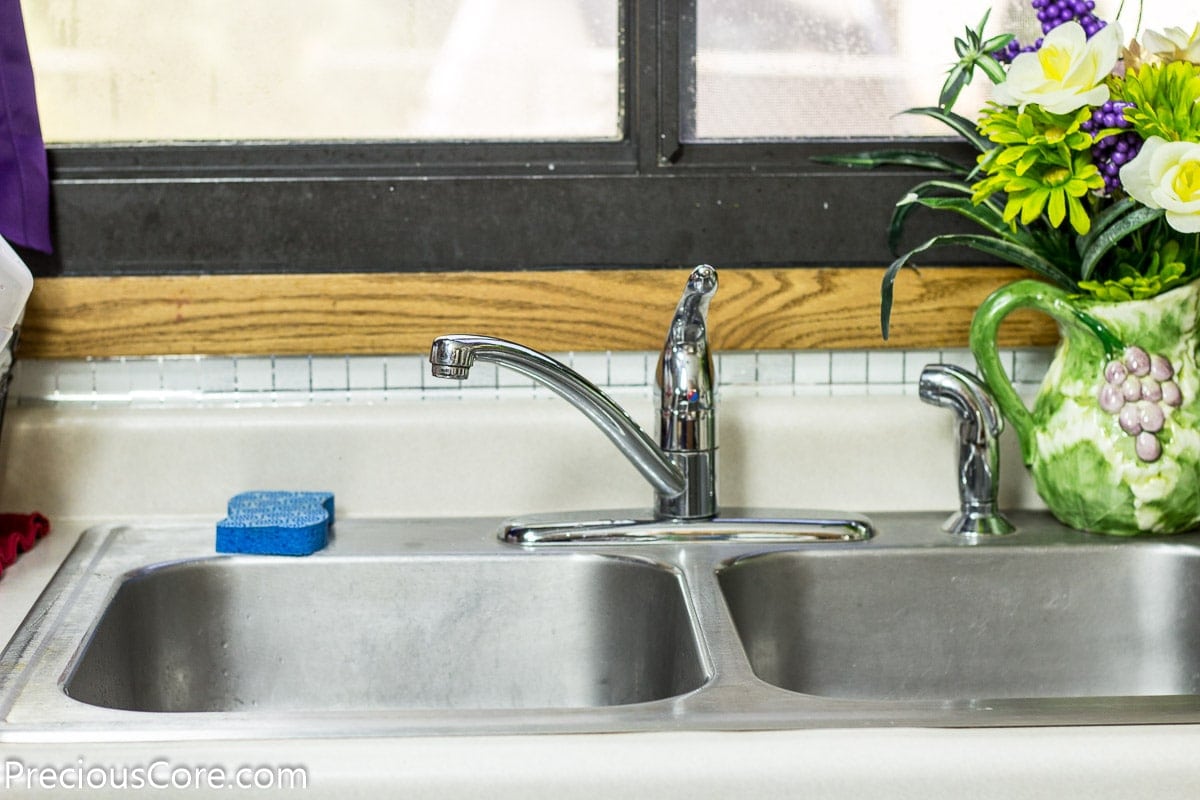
<point>1113,225</point>
<point>1165,95</point>
<point>956,122</point>
<point>1041,162</point>
<point>895,158</point>
<point>973,51</point>
<point>1034,130</point>
<point>1139,276</point>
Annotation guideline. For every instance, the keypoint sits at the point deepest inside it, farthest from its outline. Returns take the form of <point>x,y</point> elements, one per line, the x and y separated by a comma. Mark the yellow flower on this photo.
<point>1167,175</point>
<point>1066,73</point>
<point>1174,44</point>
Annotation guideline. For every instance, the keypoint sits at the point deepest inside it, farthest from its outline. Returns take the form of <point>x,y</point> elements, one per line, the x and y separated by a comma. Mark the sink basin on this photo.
<point>968,623</point>
<point>435,627</point>
<point>227,634</point>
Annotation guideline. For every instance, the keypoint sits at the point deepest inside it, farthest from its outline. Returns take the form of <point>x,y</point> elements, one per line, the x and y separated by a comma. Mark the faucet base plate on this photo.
<point>729,525</point>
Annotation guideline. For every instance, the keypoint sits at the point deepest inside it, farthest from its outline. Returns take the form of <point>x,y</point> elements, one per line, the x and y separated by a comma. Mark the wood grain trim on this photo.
<point>830,308</point>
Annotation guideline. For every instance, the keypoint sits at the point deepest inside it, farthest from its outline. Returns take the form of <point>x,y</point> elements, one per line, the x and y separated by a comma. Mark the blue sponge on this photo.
<point>276,523</point>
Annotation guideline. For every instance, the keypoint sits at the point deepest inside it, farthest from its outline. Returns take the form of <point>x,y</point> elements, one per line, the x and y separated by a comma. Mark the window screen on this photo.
<point>169,70</point>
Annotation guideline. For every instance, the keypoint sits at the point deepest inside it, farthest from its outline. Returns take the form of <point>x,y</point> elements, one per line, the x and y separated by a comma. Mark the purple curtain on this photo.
<point>24,179</point>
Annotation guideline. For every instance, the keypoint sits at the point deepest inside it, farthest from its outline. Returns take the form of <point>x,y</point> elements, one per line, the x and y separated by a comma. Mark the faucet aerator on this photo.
<point>449,371</point>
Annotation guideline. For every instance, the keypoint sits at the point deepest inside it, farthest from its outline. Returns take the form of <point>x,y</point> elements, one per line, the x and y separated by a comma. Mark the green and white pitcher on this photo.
<point>1113,437</point>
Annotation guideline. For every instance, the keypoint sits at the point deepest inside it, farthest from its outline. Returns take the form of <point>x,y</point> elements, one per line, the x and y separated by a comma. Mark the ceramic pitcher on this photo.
<point>1112,438</point>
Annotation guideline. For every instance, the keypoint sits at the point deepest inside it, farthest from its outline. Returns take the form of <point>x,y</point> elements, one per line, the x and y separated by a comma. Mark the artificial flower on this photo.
<point>1066,73</point>
<point>1088,159</point>
<point>1174,44</point>
<point>1166,175</point>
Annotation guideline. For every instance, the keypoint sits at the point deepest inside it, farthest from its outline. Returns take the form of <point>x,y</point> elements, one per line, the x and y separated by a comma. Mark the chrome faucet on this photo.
<point>979,428</point>
<point>681,466</point>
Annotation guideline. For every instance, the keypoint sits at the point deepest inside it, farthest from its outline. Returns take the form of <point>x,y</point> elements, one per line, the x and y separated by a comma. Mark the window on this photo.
<point>479,134</point>
<point>131,70</point>
<point>817,68</point>
<point>793,69</point>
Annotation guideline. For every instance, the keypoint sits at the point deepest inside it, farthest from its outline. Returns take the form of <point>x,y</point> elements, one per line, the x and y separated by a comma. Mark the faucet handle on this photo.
<point>691,313</point>
<point>685,370</point>
<point>980,425</point>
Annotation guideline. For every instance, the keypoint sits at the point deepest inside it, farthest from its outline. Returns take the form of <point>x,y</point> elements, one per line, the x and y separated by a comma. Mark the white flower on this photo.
<point>1066,73</point>
<point>1167,175</point>
<point>1174,44</point>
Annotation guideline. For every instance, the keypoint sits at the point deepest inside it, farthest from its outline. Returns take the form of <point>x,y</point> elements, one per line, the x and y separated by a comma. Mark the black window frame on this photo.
<point>646,200</point>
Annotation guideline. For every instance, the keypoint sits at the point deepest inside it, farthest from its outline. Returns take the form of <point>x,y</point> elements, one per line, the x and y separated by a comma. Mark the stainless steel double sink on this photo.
<point>430,627</point>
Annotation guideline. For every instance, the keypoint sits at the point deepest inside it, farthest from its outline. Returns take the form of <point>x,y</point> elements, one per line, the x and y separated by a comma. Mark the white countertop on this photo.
<point>81,466</point>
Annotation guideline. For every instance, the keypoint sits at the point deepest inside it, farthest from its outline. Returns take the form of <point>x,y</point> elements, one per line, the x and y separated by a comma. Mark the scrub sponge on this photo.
<point>276,523</point>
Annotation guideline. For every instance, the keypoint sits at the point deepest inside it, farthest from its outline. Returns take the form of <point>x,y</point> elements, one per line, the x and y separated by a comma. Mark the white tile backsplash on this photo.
<point>915,361</point>
<point>736,368</point>
<point>848,367</point>
<point>367,372</point>
<point>629,369</point>
<point>329,374</point>
<point>255,374</point>
<point>812,368</point>
<point>177,374</point>
<point>593,366</point>
<point>291,374</point>
<point>1030,365</point>
<point>36,378</point>
<point>885,367</point>
<point>404,372</point>
<point>371,379</point>
<point>218,375</point>
<point>72,378</point>
<point>118,377</point>
<point>776,368</point>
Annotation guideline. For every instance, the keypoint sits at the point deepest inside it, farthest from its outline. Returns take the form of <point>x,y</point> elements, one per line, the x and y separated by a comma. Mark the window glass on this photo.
<point>162,70</point>
<point>834,68</point>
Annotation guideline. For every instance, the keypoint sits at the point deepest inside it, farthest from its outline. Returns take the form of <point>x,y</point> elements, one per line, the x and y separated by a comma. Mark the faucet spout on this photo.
<point>979,427</point>
<point>453,356</point>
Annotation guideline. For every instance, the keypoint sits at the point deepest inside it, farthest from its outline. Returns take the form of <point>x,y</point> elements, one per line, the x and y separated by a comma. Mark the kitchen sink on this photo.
<point>436,627</point>
<point>959,624</point>
<point>225,634</point>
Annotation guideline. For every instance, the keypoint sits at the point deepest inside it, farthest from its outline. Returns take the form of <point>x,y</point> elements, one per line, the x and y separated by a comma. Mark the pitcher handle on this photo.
<point>1049,300</point>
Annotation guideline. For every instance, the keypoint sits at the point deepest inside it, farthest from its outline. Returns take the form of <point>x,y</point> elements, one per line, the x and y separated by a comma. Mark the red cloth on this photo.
<point>19,533</point>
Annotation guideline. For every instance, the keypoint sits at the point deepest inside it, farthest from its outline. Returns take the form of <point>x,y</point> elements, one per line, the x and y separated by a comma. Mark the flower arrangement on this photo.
<point>1088,166</point>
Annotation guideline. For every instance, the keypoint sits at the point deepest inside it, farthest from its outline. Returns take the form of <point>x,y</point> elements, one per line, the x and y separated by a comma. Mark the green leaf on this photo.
<point>1078,215</point>
<point>986,214</point>
<point>1028,161</point>
<point>1008,251</point>
<point>959,124</point>
<point>1103,220</point>
<point>1056,209</point>
<point>991,67</point>
<point>1034,204</point>
<point>895,158</point>
<point>1012,207</point>
<point>1102,243</point>
<point>959,76</point>
<point>997,42</point>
